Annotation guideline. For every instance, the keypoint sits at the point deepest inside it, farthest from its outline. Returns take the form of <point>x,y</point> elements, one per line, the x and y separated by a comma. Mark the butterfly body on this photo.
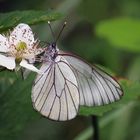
<point>50,53</point>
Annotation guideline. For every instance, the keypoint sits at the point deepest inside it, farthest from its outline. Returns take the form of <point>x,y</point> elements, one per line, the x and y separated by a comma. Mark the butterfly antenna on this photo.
<point>52,32</point>
<point>60,31</point>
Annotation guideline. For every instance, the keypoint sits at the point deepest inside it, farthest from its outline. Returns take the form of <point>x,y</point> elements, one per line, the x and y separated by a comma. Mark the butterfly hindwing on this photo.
<point>96,87</point>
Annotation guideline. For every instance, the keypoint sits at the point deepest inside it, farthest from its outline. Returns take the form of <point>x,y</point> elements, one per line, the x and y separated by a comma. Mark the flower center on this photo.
<point>21,46</point>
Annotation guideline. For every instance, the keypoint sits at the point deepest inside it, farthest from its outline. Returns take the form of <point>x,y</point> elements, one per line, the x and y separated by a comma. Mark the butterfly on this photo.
<point>69,82</point>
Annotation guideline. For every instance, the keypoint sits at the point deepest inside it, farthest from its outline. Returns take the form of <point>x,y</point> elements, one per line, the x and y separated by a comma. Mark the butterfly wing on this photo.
<point>96,87</point>
<point>55,93</point>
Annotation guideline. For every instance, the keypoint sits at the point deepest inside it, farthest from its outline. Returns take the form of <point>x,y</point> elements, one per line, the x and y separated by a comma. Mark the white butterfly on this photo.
<point>68,82</point>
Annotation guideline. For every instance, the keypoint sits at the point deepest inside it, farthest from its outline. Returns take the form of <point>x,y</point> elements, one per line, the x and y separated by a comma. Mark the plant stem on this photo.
<point>95,127</point>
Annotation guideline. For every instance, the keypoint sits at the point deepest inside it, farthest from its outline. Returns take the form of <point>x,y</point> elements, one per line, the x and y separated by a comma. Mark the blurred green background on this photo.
<point>104,32</point>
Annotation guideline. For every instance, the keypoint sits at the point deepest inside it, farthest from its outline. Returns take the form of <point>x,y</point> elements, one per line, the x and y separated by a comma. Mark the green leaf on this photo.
<point>123,33</point>
<point>131,93</point>
<point>86,111</point>
<point>8,20</point>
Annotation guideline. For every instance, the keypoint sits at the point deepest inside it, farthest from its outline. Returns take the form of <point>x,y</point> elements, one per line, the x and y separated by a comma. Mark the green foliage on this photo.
<point>16,106</point>
<point>92,13</point>
<point>30,17</point>
<point>123,33</point>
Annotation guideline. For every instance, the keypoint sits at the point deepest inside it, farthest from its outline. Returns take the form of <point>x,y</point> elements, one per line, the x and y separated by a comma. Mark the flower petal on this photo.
<point>3,44</point>
<point>22,33</point>
<point>8,62</point>
<point>26,65</point>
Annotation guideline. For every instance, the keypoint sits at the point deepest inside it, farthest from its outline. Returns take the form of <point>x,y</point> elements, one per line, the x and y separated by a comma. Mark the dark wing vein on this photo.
<point>103,88</point>
<point>44,84</point>
<point>72,98</point>
<point>106,79</point>
<point>42,74</point>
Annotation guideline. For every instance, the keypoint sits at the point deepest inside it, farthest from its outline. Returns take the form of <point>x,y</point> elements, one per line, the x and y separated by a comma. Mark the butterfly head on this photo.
<point>51,51</point>
<point>53,45</point>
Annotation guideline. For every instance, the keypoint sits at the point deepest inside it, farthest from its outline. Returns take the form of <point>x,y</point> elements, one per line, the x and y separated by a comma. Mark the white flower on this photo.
<point>19,47</point>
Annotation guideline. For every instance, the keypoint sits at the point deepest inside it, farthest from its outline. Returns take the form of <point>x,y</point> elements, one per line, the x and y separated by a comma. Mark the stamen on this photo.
<point>21,46</point>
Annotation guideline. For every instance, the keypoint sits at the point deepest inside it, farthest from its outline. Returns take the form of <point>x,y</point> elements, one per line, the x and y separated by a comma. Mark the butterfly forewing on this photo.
<point>95,86</point>
<point>55,94</point>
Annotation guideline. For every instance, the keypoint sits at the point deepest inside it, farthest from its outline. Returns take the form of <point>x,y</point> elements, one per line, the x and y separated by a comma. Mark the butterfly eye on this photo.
<point>54,45</point>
